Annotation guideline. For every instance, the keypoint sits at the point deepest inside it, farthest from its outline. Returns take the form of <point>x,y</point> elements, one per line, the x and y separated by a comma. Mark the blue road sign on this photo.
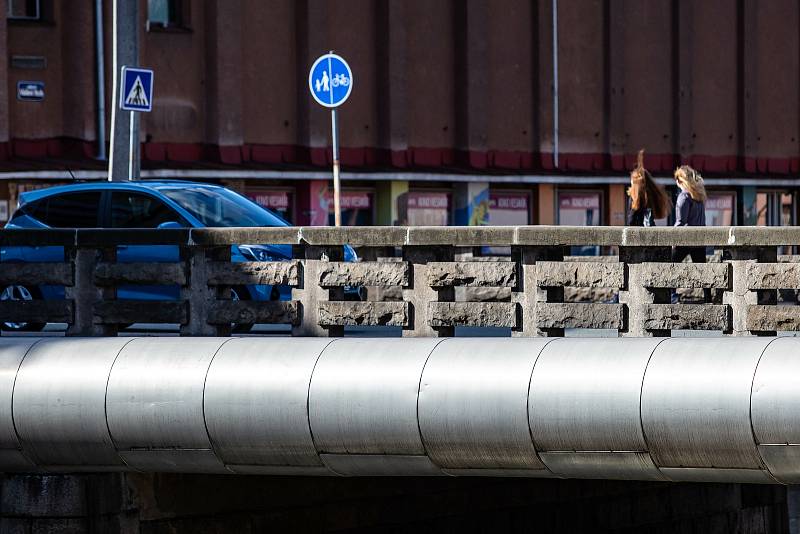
<point>30,91</point>
<point>330,80</point>
<point>136,89</point>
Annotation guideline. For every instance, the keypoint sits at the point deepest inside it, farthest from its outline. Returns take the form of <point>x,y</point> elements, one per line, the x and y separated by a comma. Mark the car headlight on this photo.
<point>257,254</point>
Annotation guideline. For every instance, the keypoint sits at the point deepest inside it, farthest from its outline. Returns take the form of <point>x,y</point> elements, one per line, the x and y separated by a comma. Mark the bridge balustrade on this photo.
<point>428,285</point>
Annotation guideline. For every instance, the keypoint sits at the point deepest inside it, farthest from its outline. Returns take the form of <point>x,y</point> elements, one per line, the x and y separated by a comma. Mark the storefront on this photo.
<point>580,208</point>
<point>426,208</point>
<point>720,208</point>
<point>281,201</point>
<point>509,208</point>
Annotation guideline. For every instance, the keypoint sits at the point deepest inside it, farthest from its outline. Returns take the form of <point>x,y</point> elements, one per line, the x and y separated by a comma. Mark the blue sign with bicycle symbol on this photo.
<point>330,80</point>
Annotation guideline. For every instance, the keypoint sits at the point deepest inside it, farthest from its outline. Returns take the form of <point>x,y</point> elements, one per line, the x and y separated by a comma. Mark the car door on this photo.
<point>77,209</point>
<point>134,209</point>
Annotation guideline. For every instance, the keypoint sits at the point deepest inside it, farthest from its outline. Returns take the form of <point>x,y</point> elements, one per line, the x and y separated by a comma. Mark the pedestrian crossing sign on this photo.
<point>136,89</point>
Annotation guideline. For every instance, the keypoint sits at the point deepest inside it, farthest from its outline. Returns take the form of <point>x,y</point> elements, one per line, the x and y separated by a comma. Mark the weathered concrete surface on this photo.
<point>472,273</point>
<point>589,294</point>
<point>685,317</point>
<point>579,274</point>
<point>501,314</point>
<point>367,273</point>
<point>483,294</point>
<point>374,236</point>
<point>199,294</point>
<point>450,314</point>
<point>419,293</point>
<point>289,235</point>
<point>309,294</point>
<point>685,275</point>
<point>36,311</point>
<point>139,311</point>
<point>527,293</point>
<point>461,236</point>
<point>773,318</point>
<point>249,312</point>
<point>109,274</point>
<point>773,275</point>
<point>34,274</point>
<point>570,315</point>
<point>363,313</point>
<point>84,293</point>
<point>269,273</point>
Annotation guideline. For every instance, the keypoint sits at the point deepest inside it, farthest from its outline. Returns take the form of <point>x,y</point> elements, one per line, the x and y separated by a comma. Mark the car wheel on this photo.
<point>240,293</point>
<point>19,292</point>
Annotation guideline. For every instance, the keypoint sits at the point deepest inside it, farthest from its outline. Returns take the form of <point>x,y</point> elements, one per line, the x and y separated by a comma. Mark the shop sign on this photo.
<point>509,201</point>
<point>275,200</point>
<point>719,202</point>
<point>576,201</point>
<point>428,201</point>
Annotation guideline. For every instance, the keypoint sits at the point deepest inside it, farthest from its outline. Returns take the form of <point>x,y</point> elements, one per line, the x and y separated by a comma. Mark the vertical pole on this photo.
<point>125,34</point>
<point>132,148</point>
<point>337,212</point>
<point>101,79</point>
<point>555,83</point>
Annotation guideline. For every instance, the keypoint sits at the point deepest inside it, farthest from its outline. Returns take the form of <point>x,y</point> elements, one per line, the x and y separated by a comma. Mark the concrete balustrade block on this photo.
<point>500,314</point>
<point>579,274</point>
<point>685,275</point>
<point>363,313</point>
<point>773,318</point>
<point>375,236</point>
<point>578,315</point>
<point>367,273</point>
<point>685,317</point>
<point>472,274</point>
<point>773,275</point>
<point>31,274</point>
<point>281,273</point>
<point>110,274</point>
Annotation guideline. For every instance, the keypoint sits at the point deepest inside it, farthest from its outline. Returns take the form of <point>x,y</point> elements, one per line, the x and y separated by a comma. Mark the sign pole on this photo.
<point>131,146</point>
<point>337,211</point>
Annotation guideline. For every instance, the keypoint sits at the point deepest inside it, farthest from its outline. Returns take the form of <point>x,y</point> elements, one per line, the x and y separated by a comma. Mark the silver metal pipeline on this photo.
<point>709,409</point>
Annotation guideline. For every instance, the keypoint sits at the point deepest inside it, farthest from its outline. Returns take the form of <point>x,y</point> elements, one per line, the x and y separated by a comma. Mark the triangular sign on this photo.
<point>137,96</point>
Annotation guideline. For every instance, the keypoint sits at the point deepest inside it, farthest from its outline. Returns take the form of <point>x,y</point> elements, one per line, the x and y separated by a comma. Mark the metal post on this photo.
<point>336,187</point>
<point>555,83</point>
<point>101,80</point>
<point>126,53</point>
<point>131,147</point>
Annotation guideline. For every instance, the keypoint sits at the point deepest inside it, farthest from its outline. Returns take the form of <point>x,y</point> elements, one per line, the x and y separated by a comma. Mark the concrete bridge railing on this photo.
<point>421,263</point>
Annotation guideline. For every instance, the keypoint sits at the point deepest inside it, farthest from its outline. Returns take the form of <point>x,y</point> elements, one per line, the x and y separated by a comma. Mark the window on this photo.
<point>70,210</point>
<point>720,208</point>
<point>24,9</point>
<point>166,14</point>
<point>509,208</point>
<point>774,208</point>
<point>133,210</point>
<point>424,208</point>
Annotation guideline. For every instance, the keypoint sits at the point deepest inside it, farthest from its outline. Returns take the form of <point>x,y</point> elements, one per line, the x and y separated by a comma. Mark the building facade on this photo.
<point>457,115</point>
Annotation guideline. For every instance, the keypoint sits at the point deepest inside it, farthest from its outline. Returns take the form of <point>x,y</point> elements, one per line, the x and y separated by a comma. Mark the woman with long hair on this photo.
<point>648,200</point>
<point>690,209</point>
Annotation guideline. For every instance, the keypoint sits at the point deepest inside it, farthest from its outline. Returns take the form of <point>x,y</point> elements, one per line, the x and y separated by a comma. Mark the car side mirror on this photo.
<point>169,224</point>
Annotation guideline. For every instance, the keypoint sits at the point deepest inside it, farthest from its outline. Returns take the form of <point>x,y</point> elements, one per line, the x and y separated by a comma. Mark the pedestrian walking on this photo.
<point>690,210</point>
<point>647,200</point>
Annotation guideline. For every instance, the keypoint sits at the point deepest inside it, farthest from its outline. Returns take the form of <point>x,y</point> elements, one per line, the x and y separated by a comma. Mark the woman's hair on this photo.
<point>646,193</point>
<point>691,180</point>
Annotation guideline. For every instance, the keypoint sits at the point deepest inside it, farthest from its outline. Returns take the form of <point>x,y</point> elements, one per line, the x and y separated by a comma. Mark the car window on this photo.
<point>70,210</point>
<point>222,207</point>
<point>134,210</point>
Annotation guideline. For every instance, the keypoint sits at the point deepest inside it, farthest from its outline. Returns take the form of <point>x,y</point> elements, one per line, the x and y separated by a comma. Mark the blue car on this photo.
<point>150,204</point>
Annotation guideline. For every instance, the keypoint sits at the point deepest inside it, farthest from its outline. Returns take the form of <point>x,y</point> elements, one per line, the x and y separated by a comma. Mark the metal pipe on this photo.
<point>555,83</point>
<point>669,409</point>
<point>101,79</point>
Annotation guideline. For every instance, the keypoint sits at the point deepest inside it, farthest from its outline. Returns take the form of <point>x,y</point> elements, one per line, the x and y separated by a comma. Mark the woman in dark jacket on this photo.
<point>647,200</point>
<point>690,209</point>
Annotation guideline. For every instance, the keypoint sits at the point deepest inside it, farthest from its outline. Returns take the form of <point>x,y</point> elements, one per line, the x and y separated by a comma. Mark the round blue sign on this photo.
<point>330,80</point>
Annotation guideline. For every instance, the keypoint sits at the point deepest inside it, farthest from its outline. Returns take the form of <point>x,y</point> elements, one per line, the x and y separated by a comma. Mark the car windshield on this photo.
<point>221,207</point>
